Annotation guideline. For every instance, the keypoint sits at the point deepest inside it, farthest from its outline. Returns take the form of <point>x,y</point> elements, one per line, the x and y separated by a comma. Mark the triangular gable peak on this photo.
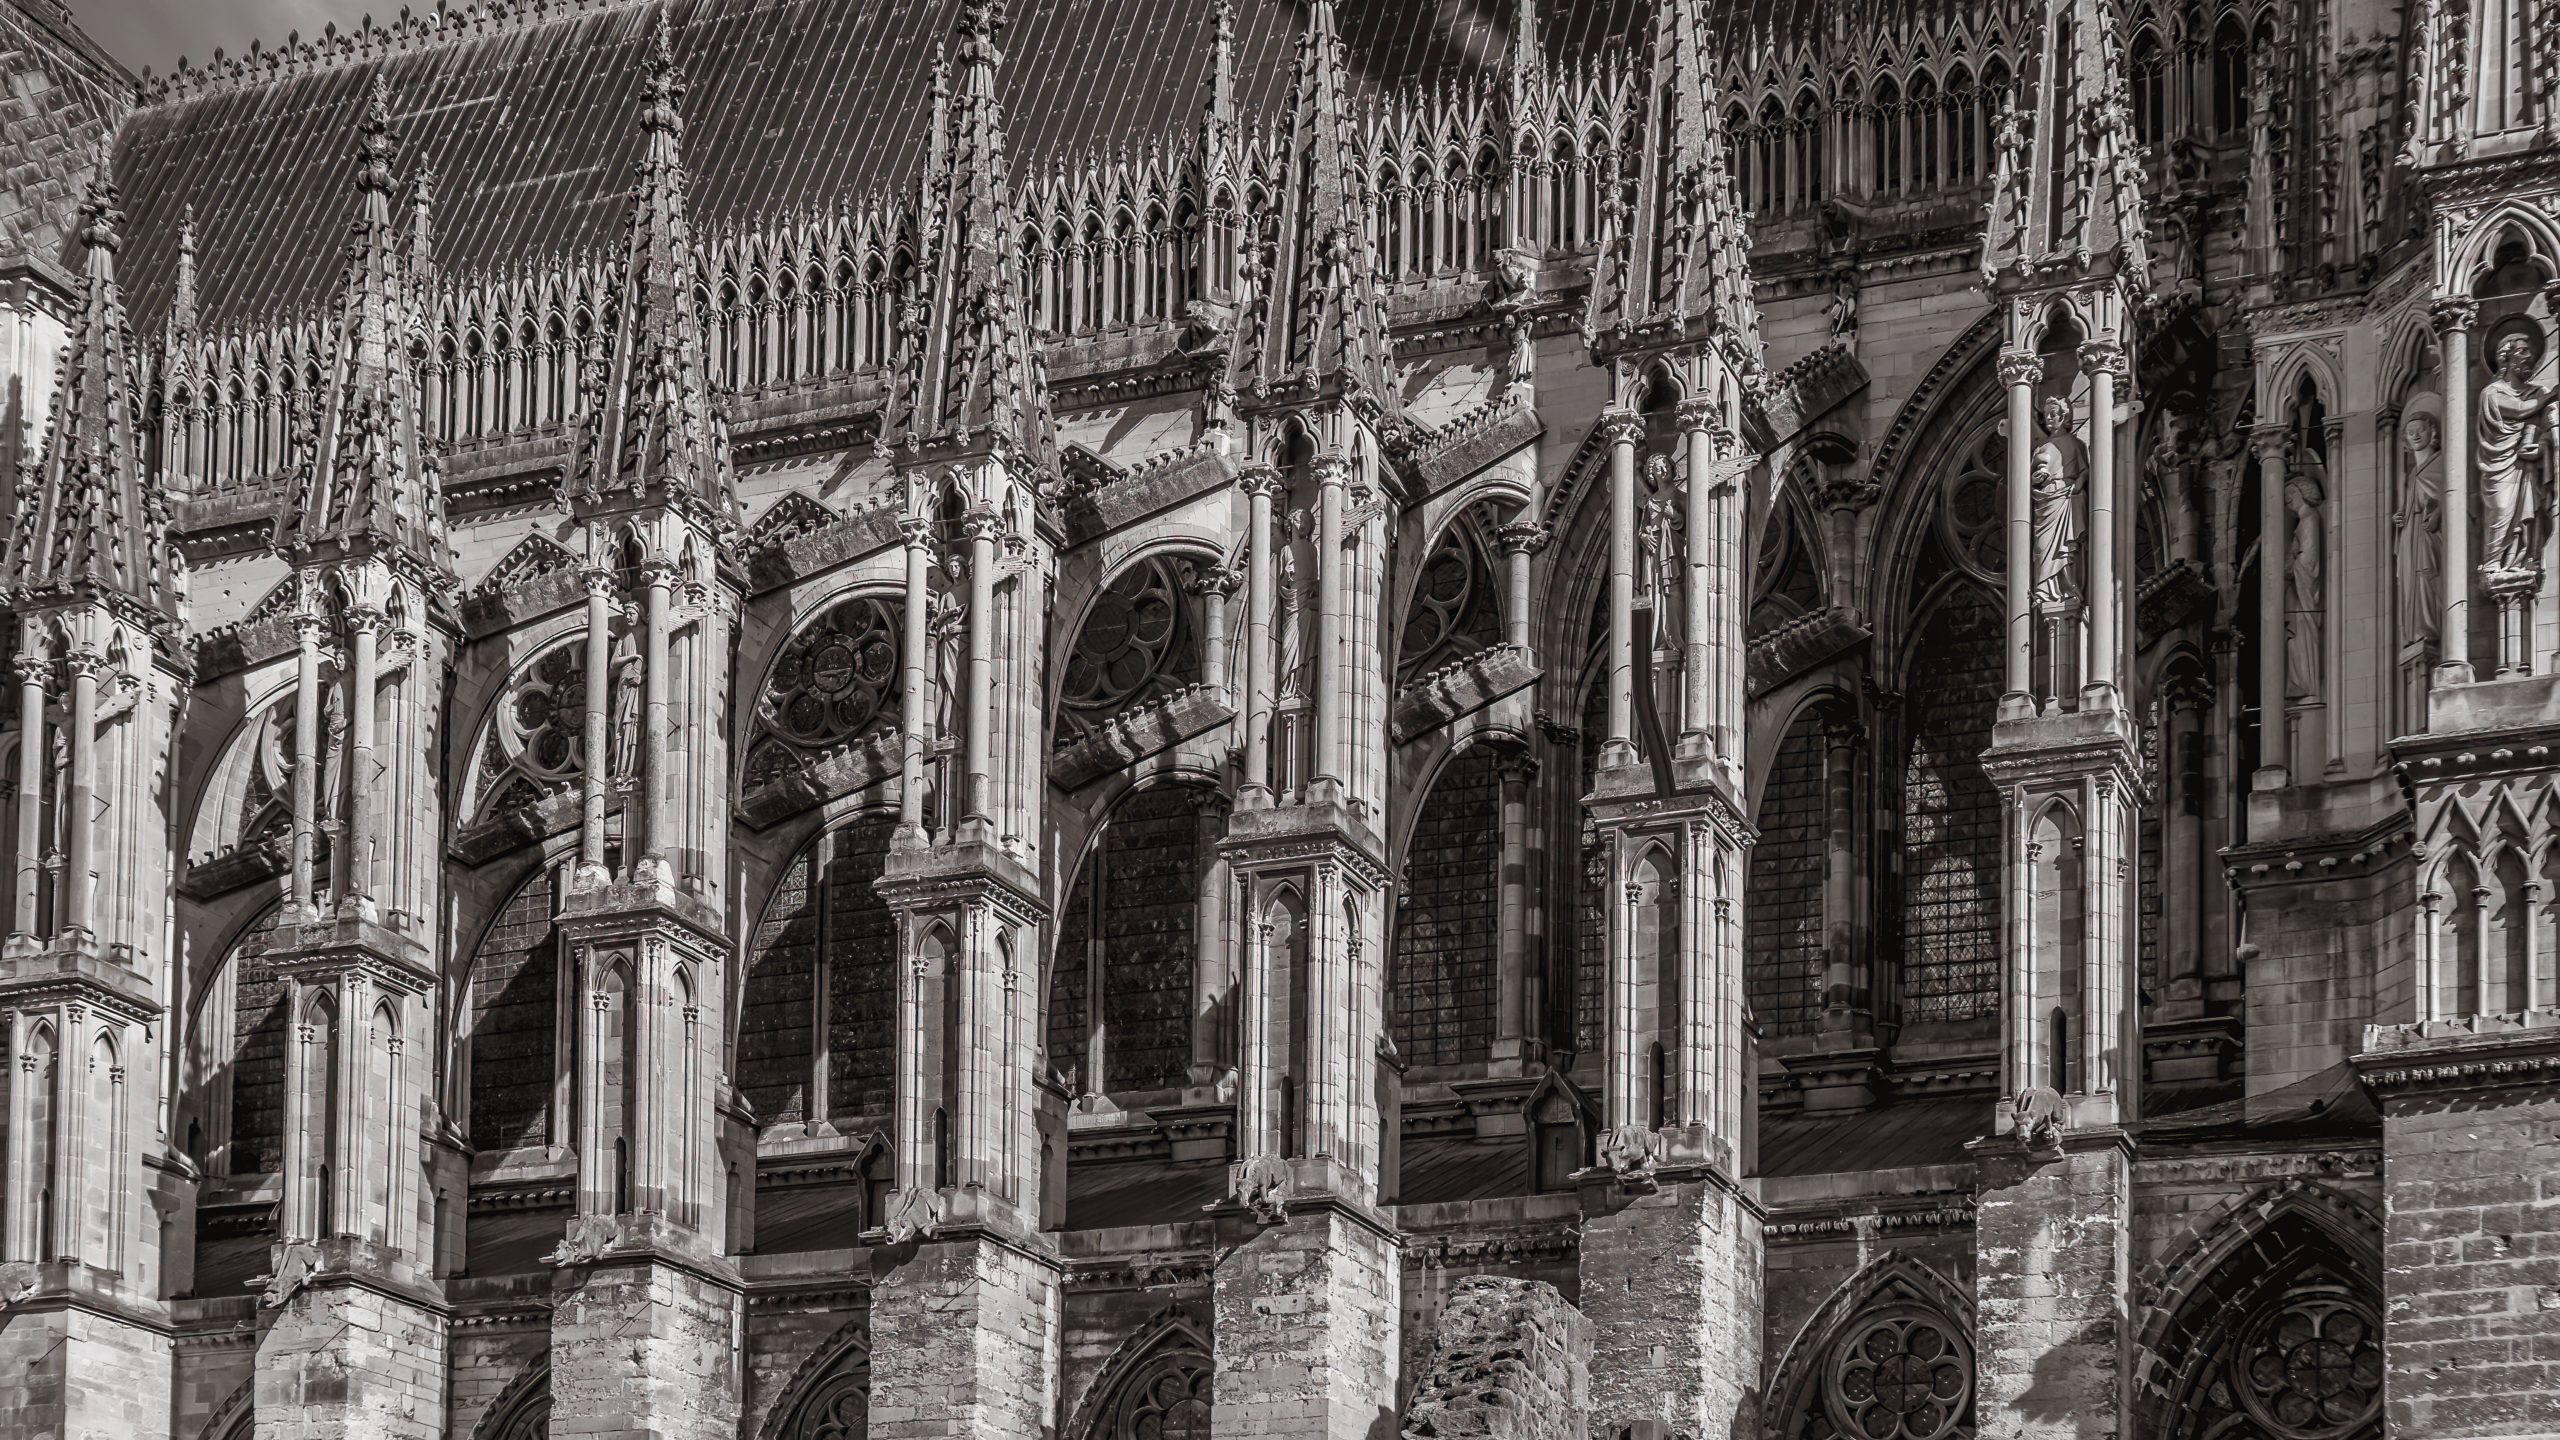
<point>2066,201</point>
<point>969,379</point>
<point>369,486</point>
<point>653,437</point>
<point>91,528</point>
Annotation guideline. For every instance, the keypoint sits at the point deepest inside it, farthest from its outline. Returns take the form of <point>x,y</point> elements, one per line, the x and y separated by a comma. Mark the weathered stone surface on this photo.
<point>1305,1342</point>
<point>351,1362</point>
<point>964,1338</point>
<point>1671,1290</point>
<point>1507,1364</point>
<point>2051,1292</point>
<point>75,1371</point>
<point>641,1350</point>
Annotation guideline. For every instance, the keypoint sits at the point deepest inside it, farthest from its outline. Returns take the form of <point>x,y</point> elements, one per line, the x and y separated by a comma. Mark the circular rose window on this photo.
<point>1901,1376</point>
<point>2311,1366</point>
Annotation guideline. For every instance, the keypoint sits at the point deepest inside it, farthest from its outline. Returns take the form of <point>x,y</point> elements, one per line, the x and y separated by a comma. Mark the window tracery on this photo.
<point>831,1400</point>
<point>534,744</point>
<point>835,681</point>
<point>1139,643</point>
<point>1902,1375</point>
<point>1455,610</point>
<point>1971,509</point>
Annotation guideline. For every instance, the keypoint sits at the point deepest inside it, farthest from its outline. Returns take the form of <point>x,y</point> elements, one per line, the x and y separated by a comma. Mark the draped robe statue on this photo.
<point>2305,603</point>
<point>2060,465</point>
<point>2513,441</point>
<point>2420,549</point>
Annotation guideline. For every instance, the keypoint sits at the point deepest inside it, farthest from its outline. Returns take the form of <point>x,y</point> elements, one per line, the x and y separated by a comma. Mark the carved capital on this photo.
<point>2020,366</point>
<point>916,531</point>
<point>1259,481</point>
<point>983,523</point>
<point>1220,580</point>
<point>1330,469</point>
<point>2104,356</point>
<point>1699,413</point>
<point>1525,537</point>
<point>1621,427</point>
<point>2453,312</point>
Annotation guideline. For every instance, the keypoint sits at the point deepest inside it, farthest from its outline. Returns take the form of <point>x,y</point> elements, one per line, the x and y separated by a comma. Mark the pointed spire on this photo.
<point>655,436</point>
<point>90,527</point>
<point>2066,198</point>
<point>422,224</point>
<point>967,377</point>
<point>1317,324</point>
<point>1221,105</point>
<point>1674,266</point>
<point>367,482</point>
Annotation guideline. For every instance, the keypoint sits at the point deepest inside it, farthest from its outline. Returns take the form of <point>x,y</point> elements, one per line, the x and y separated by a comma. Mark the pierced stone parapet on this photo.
<point>1134,734</point>
<point>1462,687</point>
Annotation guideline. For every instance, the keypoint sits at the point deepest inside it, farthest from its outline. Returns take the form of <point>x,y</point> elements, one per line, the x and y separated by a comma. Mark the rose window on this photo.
<point>536,742</point>
<point>1973,513</point>
<point>2312,1367</point>
<point>1900,1377</point>
<point>1444,623</point>
<point>1136,646</point>
<point>837,678</point>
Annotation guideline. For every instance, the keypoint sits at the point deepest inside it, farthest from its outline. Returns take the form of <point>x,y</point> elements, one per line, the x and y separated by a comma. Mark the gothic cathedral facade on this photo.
<point>1313,719</point>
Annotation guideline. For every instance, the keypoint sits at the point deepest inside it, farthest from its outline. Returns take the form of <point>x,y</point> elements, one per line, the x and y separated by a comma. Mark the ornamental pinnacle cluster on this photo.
<point>1283,720</point>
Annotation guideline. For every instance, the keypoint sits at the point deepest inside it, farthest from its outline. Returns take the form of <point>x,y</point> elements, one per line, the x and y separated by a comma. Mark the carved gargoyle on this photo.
<point>914,1214</point>
<point>1264,1185</point>
<point>585,1240</point>
<point>1630,1152</point>
<point>2041,1119</point>
<point>296,1262</point>
<point>18,1280</point>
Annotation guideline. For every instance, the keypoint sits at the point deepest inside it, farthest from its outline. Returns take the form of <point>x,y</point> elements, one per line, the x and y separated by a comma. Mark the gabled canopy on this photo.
<point>1675,266</point>
<point>967,378</point>
<point>652,436</point>
<point>91,526</point>
<point>2067,191</point>
<point>369,485</point>
<point>1314,325</point>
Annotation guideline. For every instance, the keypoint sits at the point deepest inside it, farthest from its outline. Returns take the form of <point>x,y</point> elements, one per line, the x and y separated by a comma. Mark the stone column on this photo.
<point>1623,430</point>
<point>1521,539</point>
<point>1845,1003</point>
<point>1214,584</point>
<point>364,633</point>
<point>307,752</point>
<point>2107,611</point>
<point>915,676</point>
<point>1333,566</point>
<point>2020,369</point>
<point>1697,416</point>
<point>1213,983</point>
<point>1260,486</point>
<point>80,798</point>
<point>599,742</point>
<point>33,756</point>
<point>2274,703</point>
<point>978,715</point>
<point>2453,319</point>
<point>1516,997</point>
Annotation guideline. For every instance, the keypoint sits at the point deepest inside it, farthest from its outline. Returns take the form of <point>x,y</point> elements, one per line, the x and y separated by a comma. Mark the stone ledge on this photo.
<point>1785,651</point>
<point>849,769</point>
<point>1133,735</point>
<point>1462,688</point>
<point>2475,1052</point>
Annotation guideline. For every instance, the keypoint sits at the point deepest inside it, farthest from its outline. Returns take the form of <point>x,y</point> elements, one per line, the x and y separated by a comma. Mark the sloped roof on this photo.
<point>796,104</point>
<point>58,90</point>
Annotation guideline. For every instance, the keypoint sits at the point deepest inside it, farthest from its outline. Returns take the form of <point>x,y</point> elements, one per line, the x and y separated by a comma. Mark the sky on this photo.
<point>156,32</point>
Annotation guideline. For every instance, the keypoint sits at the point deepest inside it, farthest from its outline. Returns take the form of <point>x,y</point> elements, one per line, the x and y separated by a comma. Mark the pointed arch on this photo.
<point>820,972</point>
<point>2295,1264</point>
<point>1156,1383</point>
<point>1805,1399</point>
<point>522,1411</point>
<point>829,1396</point>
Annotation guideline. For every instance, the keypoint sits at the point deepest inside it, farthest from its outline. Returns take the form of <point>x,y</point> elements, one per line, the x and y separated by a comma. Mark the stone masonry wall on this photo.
<point>963,1344</point>
<point>68,1372</point>
<point>348,1362</point>
<point>1507,1364</point>
<point>643,1348</point>
<point>2052,1258</point>
<point>1671,1287</point>
<point>1306,1333</point>
<point>2471,1264</point>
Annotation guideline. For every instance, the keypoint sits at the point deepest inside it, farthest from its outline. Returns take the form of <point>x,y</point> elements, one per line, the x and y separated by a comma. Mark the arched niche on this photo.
<point>1445,974</point>
<point>1155,1387</point>
<point>1949,911</point>
<point>1887,1356</point>
<point>1783,925</point>
<point>816,1022</point>
<point>1127,939</point>
<point>232,1121</point>
<point>529,758</point>
<point>829,1397</point>
<point>518,1086</point>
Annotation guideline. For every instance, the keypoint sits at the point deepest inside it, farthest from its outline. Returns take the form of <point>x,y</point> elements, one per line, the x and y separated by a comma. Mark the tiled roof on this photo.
<point>796,104</point>
<point>58,90</point>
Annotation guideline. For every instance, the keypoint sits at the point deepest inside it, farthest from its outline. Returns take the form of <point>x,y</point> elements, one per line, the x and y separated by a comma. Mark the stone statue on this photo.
<point>1291,624</point>
<point>2513,440</point>
<point>949,626</point>
<point>1658,534</point>
<point>2060,463</point>
<point>2305,604</point>
<point>625,761</point>
<point>1842,309</point>
<point>2419,528</point>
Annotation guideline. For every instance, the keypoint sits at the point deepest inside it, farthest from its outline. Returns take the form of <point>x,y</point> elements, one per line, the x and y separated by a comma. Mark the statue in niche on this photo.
<point>624,763</point>
<point>1290,621</point>
<point>2060,464</point>
<point>948,624</point>
<point>2513,438</point>
<point>2306,486</point>
<point>1658,537</point>
<point>2420,526</point>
